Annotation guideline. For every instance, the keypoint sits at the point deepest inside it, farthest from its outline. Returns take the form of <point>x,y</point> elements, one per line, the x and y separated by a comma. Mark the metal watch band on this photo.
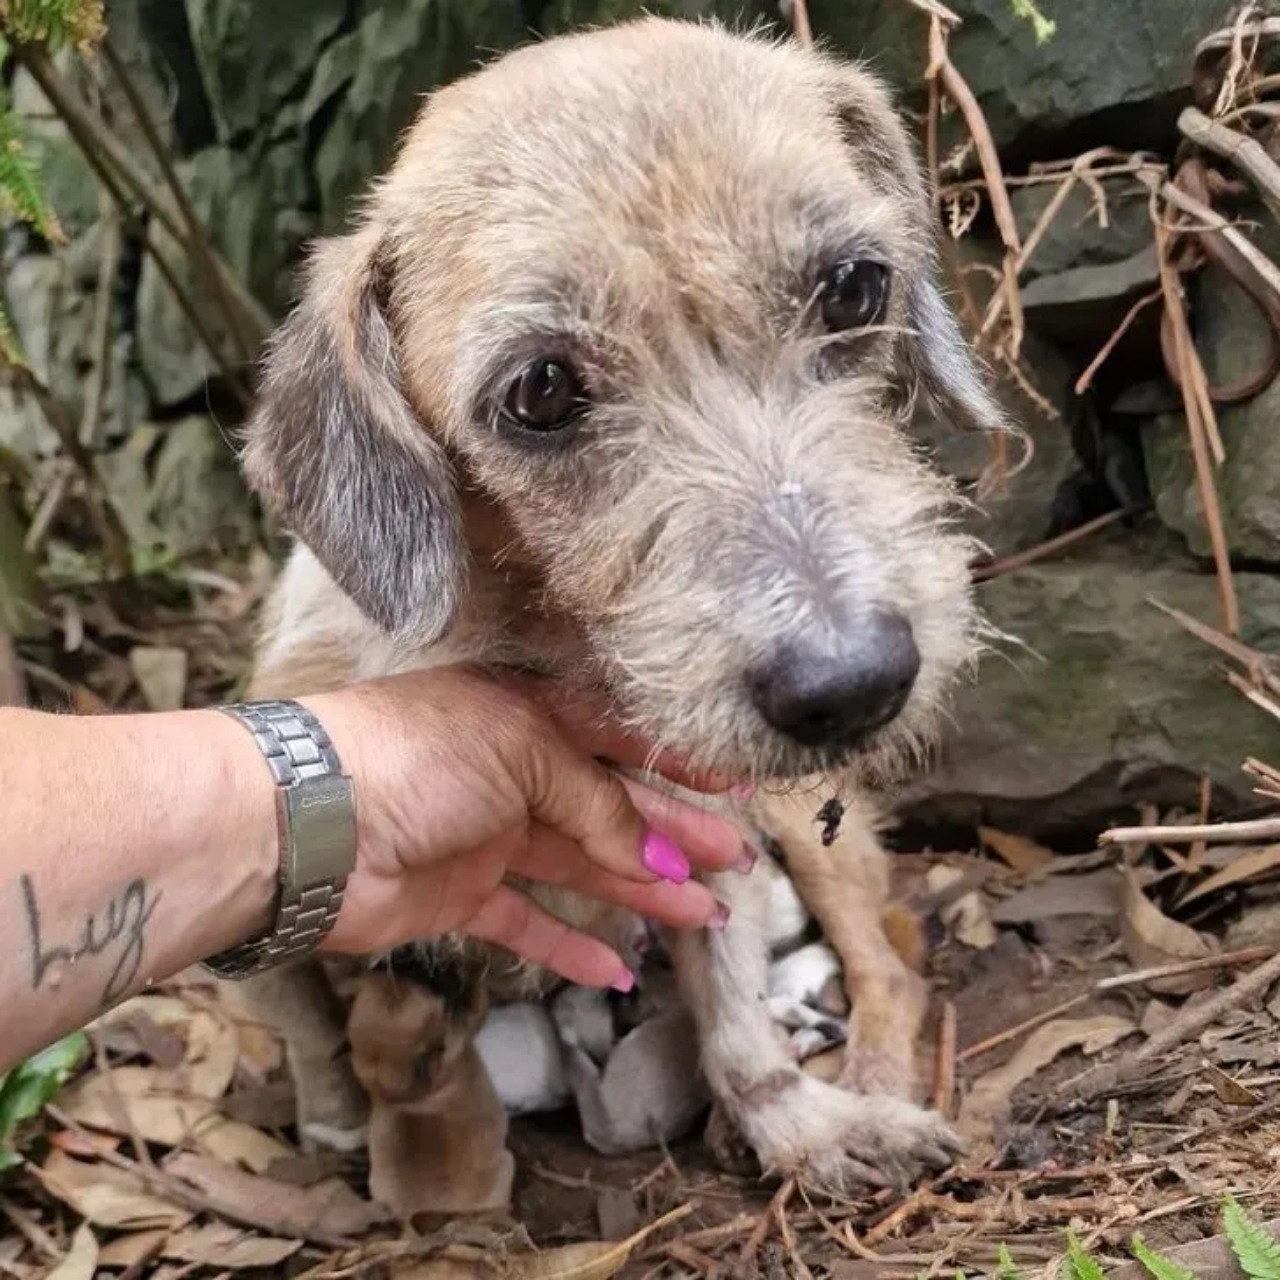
<point>315,805</point>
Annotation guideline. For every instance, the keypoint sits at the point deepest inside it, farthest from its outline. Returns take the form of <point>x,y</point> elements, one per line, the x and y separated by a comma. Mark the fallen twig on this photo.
<point>1190,1022</point>
<point>1051,546</point>
<point>1224,960</point>
<point>944,1066</point>
<point>1243,151</point>
<point>1217,832</point>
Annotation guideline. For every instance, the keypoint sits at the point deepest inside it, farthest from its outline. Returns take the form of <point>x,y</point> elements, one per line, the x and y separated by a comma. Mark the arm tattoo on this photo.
<point>117,930</point>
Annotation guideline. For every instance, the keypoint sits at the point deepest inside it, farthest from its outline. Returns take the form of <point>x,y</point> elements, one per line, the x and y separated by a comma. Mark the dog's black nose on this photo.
<point>824,697</point>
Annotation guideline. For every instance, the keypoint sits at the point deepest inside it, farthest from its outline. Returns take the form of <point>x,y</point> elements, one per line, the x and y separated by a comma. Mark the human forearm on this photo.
<point>130,848</point>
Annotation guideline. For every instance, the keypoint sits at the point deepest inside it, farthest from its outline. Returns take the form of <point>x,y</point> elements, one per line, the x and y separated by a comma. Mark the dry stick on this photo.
<point>944,1067</point>
<point>1241,150</point>
<point>97,142</point>
<point>1245,955</point>
<point>941,67</point>
<point>772,1213</point>
<point>100,150</point>
<point>1188,363</point>
<point>1260,666</point>
<point>1214,221</point>
<point>1219,832</point>
<point>1029,1024</point>
<point>1085,380</point>
<point>167,1185</point>
<point>1042,550</point>
<point>110,529</point>
<point>202,251</point>
<point>800,23</point>
<point>1232,1125</point>
<point>1189,1023</point>
<point>100,341</point>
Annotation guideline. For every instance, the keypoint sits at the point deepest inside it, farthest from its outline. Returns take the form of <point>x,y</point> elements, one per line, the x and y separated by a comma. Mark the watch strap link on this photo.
<point>316,815</point>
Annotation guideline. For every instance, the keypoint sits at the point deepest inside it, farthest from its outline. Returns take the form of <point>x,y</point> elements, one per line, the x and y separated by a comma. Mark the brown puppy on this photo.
<point>613,382</point>
<point>437,1129</point>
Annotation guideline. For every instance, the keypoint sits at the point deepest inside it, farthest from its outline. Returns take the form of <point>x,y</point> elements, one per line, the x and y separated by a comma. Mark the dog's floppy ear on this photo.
<point>940,364</point>
<point>336,450</point>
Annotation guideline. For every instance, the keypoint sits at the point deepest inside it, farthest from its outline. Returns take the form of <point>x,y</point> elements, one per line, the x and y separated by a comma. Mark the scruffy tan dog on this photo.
<point>437,1129</point>
<point>613,382</point>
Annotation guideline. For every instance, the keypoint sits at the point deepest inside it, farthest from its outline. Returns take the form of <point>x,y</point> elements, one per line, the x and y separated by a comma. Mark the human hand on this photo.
<point>462,780</point>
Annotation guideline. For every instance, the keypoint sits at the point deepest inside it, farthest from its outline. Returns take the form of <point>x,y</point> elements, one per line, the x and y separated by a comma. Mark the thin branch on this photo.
<point>1244,152</point>
<point>1043,550</point>
<point>100,339</point>
<point>1215,832</point>
<point>99,145</point>
<point>203,255</point>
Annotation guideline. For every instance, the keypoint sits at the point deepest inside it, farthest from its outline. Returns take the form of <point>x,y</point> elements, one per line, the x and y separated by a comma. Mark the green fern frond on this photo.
<point>1043,27</point>
<point>21,188</point>
<point>1005,1268</point>
<point>1079,1265</point>
<point>1157,1264</point>
<point>10,351</point>
<point>54,22</point>
<point>1257,1252</point>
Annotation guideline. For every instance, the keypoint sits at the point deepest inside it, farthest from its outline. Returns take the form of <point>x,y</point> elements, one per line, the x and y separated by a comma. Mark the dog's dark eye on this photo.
<point>854,295</point>
<point>547,396</point>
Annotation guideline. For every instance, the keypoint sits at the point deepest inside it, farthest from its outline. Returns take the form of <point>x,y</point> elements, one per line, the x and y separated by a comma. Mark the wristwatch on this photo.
<point>315,806</point>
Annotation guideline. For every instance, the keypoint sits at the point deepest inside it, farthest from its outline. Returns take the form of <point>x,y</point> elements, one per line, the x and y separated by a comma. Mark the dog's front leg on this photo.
<point>846,887</point>
<point>794,1122</point>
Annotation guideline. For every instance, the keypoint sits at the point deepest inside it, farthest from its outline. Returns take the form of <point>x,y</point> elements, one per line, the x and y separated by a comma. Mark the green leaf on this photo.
<point>1005,1268</point>
<point>1043,27</point>
<point>1157,1264</point>
<point>21,187</point>
<point>26,1089</point>
<point>1079,1265</point>
<point>1256,1251</point>
<point>54,22</point>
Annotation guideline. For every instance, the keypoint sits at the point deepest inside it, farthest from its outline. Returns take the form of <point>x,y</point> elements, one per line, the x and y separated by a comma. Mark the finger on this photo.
<point>587,721</point>
<point>708,840</point>
<point>589,804</point>
<point>550,858</point>
<point>513,921</point>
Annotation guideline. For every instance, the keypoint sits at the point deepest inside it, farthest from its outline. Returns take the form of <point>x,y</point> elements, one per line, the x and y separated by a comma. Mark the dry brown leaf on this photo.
<point>136,1099</point>
<point>75,1143</point>
<point>1091,894</point>
<point>1022,854</point>
<point>260,1049</point>
<point>82,1258</point>
<point>1152,939</point>
<point>213,1048</point>
<point>967,916</point>
<point>329,1207</point>
<point>990,1095</point>
<point>1229,1089</point>
<point>228,1248</point>
<point>107,1196</point>
<point>130,1250</point>
<point>161,673</point>
<point>589,1261</point>
<point>1243,867</point>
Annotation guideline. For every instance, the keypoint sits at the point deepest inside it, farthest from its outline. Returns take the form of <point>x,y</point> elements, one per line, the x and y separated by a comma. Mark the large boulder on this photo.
<point>256,57</point>
<point>1234,343</point>
<point>1097,700</point>
<point>254,205</point>
<point>369,83</point>
<point>1110,74</point>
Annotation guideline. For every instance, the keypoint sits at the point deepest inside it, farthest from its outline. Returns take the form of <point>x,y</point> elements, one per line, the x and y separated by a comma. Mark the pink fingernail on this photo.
<point>664,858</point>
<point>719,917</point>
<point>746,863</point>
<point>743,791</point>
<point>624,982</point>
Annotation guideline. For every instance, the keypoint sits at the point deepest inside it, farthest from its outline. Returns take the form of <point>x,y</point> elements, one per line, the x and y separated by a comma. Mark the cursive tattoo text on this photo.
<point>117,930</point>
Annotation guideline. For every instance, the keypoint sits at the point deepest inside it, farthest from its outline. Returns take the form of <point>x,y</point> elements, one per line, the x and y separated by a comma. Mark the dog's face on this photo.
<point>406,1039</point>
<point>653,300</point>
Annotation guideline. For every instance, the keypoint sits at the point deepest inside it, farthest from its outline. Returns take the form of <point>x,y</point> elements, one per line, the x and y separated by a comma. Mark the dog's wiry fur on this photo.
<point>657,202</point>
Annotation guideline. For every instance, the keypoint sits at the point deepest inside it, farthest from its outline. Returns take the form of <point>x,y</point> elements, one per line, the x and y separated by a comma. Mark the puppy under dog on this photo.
<point>612,382</point>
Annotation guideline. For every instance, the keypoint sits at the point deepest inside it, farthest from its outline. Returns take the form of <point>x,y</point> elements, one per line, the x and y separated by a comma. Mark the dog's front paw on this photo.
<point>841,1141</point>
